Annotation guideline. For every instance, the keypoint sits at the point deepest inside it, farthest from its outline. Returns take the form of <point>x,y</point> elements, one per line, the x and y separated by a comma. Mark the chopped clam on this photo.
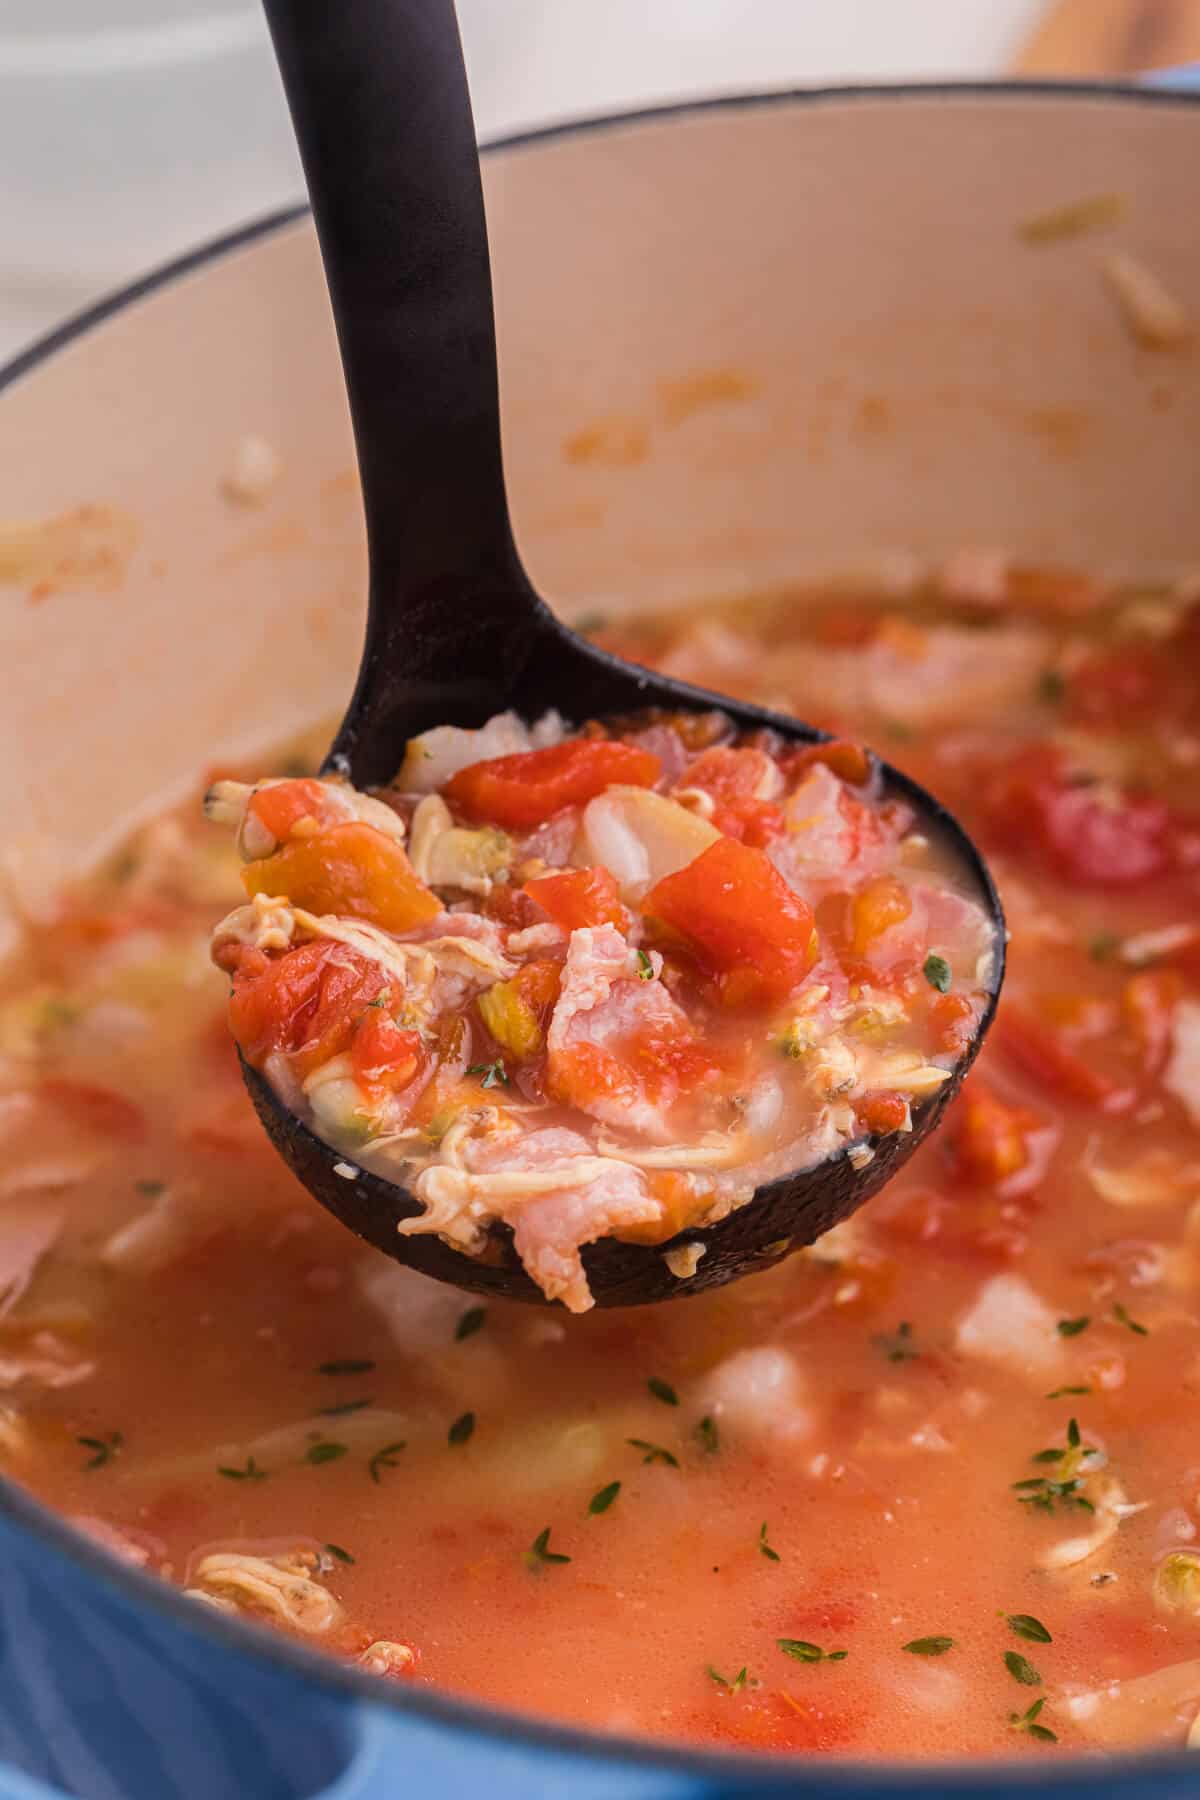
<point>279,1586</point>
<point>386,1657</point>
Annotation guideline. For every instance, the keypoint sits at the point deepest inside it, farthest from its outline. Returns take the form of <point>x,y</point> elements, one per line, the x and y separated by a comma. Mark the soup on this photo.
<point>598,985</point>
<point>930,1487</point>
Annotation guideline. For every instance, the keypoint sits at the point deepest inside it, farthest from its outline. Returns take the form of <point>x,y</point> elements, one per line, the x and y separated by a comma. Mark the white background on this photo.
<point>133,129</point>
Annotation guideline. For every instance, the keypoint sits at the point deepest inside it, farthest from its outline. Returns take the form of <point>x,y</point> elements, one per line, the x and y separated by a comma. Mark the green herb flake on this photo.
<point>731,1687</point>
<point>800,1651</point>
<point>1104,946</point>
<point>588,622</point>
<point>898,1346</point>
<point>1021,1670</point>
<point>603,1499</point>
<point>765,1548</point>
<point>1063,1392</point>
<point>929,1646</point>
<point>1026,1626</point>
<point>342,1556</point>
<point>324,1452</point>
<point>382,999</point>
<point>384,1459</point>
<point>103,1449</point>
<point>349,1365</point>
<point>1122,1317</point>
<point>150,1189</point>
<point>469,1323</point>
<point>938,973</point>
<point>462,1429</point>
<point>645,967</point>
<point>707,1435</point>
<point>1051,686</point>
<point>1027,1722</point>
<point>653,1453</point>
<point>662,1390</point>
<point>494,1073</point>
<point>342,1409</point>
<point>539,1552</point>
<point>1070,1328</point>
<point>250,1472</point>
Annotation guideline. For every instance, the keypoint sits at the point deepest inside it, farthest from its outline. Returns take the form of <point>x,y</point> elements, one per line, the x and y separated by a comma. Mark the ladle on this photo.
<point>455,632</point>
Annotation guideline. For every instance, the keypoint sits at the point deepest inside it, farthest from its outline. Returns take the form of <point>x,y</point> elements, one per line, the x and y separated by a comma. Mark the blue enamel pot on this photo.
<point>909,375</point>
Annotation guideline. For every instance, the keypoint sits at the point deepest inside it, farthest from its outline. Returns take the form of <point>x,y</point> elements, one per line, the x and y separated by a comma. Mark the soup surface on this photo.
<point>931,1487</point>
<point>601,984</point>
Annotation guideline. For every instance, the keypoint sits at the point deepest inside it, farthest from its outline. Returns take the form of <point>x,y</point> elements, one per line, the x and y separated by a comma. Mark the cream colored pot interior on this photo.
<point>737,346</point>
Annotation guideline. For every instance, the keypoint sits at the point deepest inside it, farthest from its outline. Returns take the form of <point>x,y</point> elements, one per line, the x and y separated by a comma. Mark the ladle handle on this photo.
<point>379,99</point>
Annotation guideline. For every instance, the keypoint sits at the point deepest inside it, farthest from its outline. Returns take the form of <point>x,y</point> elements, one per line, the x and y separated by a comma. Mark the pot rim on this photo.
<point>800,1773</point>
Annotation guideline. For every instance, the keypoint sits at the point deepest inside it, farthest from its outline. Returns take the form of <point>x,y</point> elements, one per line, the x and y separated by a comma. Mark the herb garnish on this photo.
<point>1026,1626</point>
<point>383,998</point>
<point>938,972</point>
<point>349,1365</point>
<point>765,1549</point>
<point>539,1552</point>
<point>151,1189</point>
<point>930,1646</point>
<point>384,1459</point>
<point>800,1651</point>
<point>1061,1393</point>
<point>731,1687</point>
<point>662,1390</point>
<point>251,1472</point>
<point>469,1323</point>
<point>603,1499</point>
<point>462,1428</point>
<point>1104,945</point>
<point>653,1452</point>
<point>103,1449</point>
<point>645,970</point>
<point>1021,1670</point>
<point>340,1411</point>
<point>1027,1722</point>
<point>707,1435</point>
<point>343,1556</point>
<point>494,1073</point>
<point>1072,1327</point>
<point>898,1346</point>
<point>324,1452</point>
<point>1051,686</point>
<point>1042,1491</point>
<point>1123,1318</point>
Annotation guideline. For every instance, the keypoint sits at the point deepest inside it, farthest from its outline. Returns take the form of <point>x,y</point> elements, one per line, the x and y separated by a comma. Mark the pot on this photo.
<point>740,341</point>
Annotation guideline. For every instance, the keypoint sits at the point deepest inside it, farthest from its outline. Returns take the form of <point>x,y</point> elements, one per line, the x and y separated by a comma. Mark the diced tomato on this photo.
<point>849,761</point>
<point>952,1022</point>
<point>1083,835</point>
<point>383,1057</point>
<point>750,933</point>
<point>882,1113</point>
<point>1042,1053</point>
<point>1147,1008</point>
<point>283,805</point>
<point>658,1062</point>
<point>519,792</point>
<point>578,897</point>
<point>305,1003</point>
<point>1043,587</point>
<point>981,1231</point>
<point>740,782</point>
<point>99,1109</point>
<point>351,870</point>
<point>991,1140</point>
<point>1113,690</point>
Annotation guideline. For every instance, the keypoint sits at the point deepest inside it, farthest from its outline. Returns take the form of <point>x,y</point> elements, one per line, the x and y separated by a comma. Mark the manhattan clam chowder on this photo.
<point>928,1488</point>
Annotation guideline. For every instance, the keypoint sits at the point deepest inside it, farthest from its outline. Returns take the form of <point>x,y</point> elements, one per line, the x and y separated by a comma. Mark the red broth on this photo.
<point>954,1442</point>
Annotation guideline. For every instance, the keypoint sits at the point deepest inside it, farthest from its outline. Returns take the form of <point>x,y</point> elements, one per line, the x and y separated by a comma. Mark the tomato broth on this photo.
<point>928,1488</point>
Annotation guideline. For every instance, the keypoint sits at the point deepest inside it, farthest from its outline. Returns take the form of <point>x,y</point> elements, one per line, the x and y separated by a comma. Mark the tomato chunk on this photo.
<point>282,805</point>
<point>99,1109</point>
<point>383,1056</point>
<point>992,1141</point>
<point>1042,1053</point>
<point>517,1012</point>
<point>578,897</point>
<point>748,930</point>
<point>741,783</point>
<point>1033,805</point>
<point>305,1003</point>
<point>525,790</point>
<point>350,869</point>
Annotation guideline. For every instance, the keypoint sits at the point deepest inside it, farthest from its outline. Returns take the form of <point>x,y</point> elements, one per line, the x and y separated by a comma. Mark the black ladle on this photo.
<point>455,632</point>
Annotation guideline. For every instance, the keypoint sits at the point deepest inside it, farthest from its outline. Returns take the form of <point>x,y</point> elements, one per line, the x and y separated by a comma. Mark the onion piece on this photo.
<point>641,837</point>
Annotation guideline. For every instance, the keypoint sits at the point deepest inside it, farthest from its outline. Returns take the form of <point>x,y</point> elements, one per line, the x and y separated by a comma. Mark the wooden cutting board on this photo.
<point>1112,37</point>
